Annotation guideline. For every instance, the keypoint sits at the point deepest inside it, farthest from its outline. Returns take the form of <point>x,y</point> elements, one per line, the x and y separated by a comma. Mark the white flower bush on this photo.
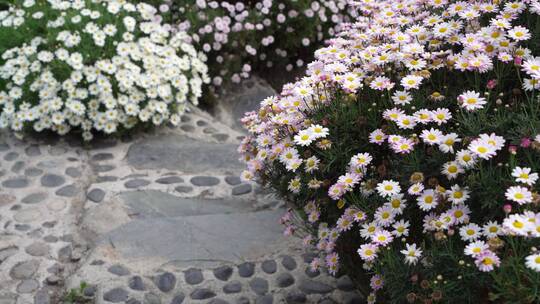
<point>93,66</point>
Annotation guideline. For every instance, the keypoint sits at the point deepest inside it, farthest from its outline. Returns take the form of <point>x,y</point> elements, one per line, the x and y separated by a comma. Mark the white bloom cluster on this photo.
<point>107,67</point>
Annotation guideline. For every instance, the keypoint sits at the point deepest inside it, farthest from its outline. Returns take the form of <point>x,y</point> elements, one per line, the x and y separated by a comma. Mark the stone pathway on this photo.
<point>160,218</point>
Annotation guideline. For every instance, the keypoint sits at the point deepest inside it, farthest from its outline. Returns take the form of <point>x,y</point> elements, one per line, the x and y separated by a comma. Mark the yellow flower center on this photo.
<point>517,224</point>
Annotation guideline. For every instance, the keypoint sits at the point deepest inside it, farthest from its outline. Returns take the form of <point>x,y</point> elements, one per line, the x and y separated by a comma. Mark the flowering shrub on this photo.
<point>241,36</point>
<point>411,150</point>
<point>93,66</point>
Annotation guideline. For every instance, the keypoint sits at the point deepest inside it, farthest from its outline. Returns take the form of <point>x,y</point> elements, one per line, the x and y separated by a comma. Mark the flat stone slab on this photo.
<point>155,204</point>
<point>177,152</point>
<point>198,241</point>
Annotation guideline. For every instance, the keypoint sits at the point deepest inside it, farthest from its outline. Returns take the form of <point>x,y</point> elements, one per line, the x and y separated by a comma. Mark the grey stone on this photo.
<point>51,164</point>
<point>18,182</point>
<point>106,179</point>
<point>266,299</point>
<point>52,180</point>
<point>314,287</point>
<point>32,150</point>
<point>90,291</point>
<point>118,270</point>
<point>73,172</point>
<point>183,189</point>
<point>64,254</point>
<point>246,269</point>
<point>116,295</point>
<point>53,279</point>
<point>201,123</point>
<point>165,282</point>
<point>288,262</point>
<point>103,168</point>
<point>220,137</point>
<point>242,300</point>
<point>49,224</point>
<point>153,203</point>
<point>3,147</point>
<point>204,181</point>
<point>24,270</point>
<point>233,180</point>
<point>180,153</point>
<point>55,151</point>
<point>136,183</point>
<point>284,280</point>
<point>50,239</point>
<point>178,299</point>
<point>67,191</point>
<point>187,128</point>
<point>308,257</point>
<point>193,276</point>
<point>223,273</point>
<point>244,97</point>
<point>169,180</point>
<point>209,130</point>
<point>37,249</point>
<point>232,287</point>
<point>202,294</point>
<point>97,262</point>
<point>27,286</point>
<point>42,297</point>
<point>295,297</point>
<point>102,156</point>
<point>136,283</point>
<point>32,172</point>
<point>96,195</point>
<point>18,166</point>
<point>185,118</point>
<point>345,283</point>
<point>133,301</point>
<point>22,227</point>
<point>196,241</point>
<point>259,286</point>
<point>34,198</point>
<point>269,266</point>
<point>242,189</point>
<point>151,298</point>
<point>218,301</point>
<point>11,156</point>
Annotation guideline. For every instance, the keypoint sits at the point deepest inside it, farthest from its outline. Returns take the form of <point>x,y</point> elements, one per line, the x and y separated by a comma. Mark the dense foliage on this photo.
<point>240,37</point>
<point>410,151</point>
<point>93,66</point>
